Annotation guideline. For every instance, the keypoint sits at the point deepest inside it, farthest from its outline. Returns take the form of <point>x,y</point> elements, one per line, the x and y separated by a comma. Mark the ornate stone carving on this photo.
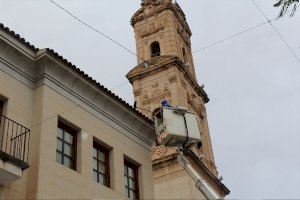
<point>166,89</point>
<point>188,97</point>
<point>197,106</point>
<point>161,35</point>
<point>139,32</point>
<point>161,152</point>
<point>165,20</point>
<point>145,95</point>
<point>155,85</point>
<point>183,83</point>
<point>146,102</point>
<point>172,79</point>
<point>137,93</point>
<point>155,93</point>
<point>150,30</point>
<point>145,40</point>
<point>151,27</point>
<point>184,35</point>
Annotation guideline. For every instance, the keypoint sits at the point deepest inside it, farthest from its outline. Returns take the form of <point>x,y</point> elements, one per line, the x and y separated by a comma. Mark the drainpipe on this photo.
<point>201,184</point>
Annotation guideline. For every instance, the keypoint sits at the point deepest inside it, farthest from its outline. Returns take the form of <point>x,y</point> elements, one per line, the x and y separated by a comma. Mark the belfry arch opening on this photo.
<point>155,49</point>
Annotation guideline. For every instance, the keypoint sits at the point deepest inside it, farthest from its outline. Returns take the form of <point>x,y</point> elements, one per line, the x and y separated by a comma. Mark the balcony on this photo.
<point>14,149</point>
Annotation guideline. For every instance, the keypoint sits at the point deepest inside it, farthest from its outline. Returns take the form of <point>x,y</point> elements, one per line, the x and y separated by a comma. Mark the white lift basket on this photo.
<point>176,127</point>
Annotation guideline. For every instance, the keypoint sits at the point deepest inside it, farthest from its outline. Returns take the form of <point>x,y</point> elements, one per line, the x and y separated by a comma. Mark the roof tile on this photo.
<point>18,38</point>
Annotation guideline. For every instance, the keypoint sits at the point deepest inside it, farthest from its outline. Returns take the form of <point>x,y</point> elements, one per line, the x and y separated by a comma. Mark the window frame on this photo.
<point>100,147</point>
<point>129,164</point>
<point>74,133</point>
<point>154,45</point>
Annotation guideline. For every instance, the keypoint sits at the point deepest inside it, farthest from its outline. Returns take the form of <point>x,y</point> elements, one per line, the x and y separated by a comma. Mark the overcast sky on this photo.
<point>253,81</point>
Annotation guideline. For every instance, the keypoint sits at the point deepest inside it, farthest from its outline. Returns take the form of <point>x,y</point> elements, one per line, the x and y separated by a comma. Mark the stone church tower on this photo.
<point>166,71</point>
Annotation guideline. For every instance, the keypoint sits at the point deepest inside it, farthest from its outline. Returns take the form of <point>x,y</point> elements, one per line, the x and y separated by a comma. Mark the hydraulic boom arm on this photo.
<point>200,182</point>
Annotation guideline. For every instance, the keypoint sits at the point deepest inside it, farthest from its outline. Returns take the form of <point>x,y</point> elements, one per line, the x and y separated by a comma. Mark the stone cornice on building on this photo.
<point>162,155</point>
<point>175,8</point>
<point>161,63</point>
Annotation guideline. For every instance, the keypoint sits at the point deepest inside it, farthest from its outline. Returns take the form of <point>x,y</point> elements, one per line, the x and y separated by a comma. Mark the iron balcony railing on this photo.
<point>14,142</point>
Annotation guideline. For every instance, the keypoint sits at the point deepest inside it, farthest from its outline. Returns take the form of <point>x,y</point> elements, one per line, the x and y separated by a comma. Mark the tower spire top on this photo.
<point>147,2</point>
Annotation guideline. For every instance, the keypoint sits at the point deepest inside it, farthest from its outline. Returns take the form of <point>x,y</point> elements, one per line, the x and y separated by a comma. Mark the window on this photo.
<point>131,180</point>
<point>101,164</point>
<point>66,146</point>
<point>155,49</point>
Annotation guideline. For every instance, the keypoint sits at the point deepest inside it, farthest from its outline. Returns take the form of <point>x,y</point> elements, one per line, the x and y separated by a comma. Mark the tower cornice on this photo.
<point>174,7</point>
<point>161,63</point>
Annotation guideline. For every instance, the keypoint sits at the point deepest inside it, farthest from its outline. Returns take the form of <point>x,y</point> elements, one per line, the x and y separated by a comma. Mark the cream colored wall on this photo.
<point>46,179</point>
<point>173,182</point>
<point>57,181</point>
<point>19,108</point>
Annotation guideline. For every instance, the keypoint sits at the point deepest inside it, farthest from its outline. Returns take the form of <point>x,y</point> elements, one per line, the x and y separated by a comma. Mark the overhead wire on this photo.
<point>7,9</point>
<point>145,82</point>
<point>233,36</point>
<point>145,62</point>
<point>213,44</point>
<point>230,37</point>
<point>239,33</point>
<point>104,35</point>
<point>92,28</point>
<point>276,31</point>
<point>118,86</point>
<point>97,31</point>
<point>79,104</point>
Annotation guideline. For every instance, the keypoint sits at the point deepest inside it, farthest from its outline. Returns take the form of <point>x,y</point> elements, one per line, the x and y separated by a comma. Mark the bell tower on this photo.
<point>166,33</point>
<point>166,71</point>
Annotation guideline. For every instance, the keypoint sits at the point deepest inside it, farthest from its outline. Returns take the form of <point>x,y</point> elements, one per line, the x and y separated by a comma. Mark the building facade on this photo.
<point>166,71</point>
<point>65,136</point>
